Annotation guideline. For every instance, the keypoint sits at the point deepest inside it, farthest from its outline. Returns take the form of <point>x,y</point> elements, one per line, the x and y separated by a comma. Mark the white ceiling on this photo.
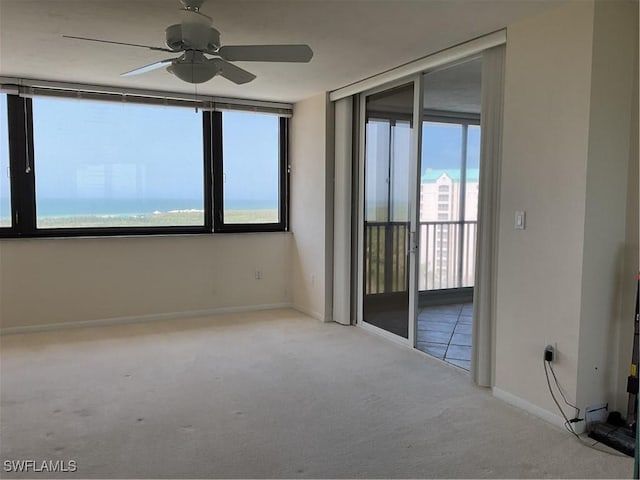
<point>455,89</point>
<point>452,89</point>
<point>351,39</point>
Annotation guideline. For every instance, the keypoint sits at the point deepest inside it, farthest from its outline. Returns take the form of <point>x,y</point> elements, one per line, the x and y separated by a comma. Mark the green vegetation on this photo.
<point>251,216</point>
<point>164,219</point>
<point>386,247</point>
<point>158,219</point>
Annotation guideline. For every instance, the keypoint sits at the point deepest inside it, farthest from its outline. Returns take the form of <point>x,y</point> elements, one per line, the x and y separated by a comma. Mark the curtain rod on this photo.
<point>13,85</point>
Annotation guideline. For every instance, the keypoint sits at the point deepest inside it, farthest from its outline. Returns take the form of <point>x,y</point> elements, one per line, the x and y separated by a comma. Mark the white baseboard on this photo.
<point>310,313</point>
<point>534,409</point>
<point>140,318</point>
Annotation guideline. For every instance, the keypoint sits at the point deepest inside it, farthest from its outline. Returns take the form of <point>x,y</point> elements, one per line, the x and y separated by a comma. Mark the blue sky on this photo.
<point>441,146</point>
<point>251,157</point>
<point>89,149</point>
<point>4,159</point>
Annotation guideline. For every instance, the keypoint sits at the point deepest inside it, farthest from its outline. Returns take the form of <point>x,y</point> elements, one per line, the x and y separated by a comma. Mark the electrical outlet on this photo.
<point>258,274</point>
<point>553,344</point>
<point>549,353</point>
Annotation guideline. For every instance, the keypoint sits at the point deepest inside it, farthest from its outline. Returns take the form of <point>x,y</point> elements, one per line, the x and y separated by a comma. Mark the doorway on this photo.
<point>449,187</point>
<point>418,204</point>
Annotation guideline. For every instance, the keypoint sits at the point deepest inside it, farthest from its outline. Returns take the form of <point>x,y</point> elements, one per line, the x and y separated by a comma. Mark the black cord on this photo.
<point>555,379</point>
<point>567,422</point>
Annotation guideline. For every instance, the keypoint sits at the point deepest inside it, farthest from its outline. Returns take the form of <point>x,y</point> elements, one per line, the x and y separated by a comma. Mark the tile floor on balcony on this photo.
<point>444,331</point>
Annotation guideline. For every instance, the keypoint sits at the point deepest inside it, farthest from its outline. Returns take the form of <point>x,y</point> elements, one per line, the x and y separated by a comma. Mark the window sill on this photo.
<point>165,235</point>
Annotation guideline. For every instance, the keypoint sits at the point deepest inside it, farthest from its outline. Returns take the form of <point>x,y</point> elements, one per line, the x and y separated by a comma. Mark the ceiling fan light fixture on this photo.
<point>193,72</point>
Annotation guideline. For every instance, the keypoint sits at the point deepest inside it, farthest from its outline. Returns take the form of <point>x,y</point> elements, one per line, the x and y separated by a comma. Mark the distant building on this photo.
<point>448,232</point>
<point>440,195</point>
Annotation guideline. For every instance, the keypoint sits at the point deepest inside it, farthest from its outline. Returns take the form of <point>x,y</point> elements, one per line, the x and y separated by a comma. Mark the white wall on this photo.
<point>629,256</point>
<point>48,281</point>
<point>546,126</point>
<point>615,37</point>
<point>311,207</point>
<point>565,160</point>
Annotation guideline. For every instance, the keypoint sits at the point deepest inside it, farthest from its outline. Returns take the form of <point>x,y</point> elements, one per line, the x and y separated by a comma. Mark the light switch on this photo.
<point>520,220</point>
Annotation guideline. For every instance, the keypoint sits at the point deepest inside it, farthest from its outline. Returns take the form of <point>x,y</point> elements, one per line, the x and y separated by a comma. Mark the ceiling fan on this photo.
<point>195,38</point>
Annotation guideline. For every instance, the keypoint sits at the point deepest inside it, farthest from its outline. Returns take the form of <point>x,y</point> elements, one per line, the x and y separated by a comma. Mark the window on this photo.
<point>106,164</point>
<point>144,166</point>
<point>251,167</point>
<point>5,185</point>
<point>450,163</point>
<point>387,163</point>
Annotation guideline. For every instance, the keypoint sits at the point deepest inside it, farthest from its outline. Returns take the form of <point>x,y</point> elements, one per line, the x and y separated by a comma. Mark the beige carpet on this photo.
<point>269,394</point>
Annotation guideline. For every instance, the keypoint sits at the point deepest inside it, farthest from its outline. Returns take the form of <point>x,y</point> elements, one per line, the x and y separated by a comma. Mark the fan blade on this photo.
<point>267,53</point>
<point>229,71</point>
<point>160,49</point>
<point>147,68</point>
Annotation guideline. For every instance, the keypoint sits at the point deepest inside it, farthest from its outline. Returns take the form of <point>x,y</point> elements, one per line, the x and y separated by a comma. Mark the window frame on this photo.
<point>5,121</point>
<point>23,192</point>
<point>219,225</point>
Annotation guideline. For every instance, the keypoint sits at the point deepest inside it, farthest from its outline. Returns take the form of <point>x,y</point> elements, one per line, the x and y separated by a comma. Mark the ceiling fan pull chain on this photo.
<point>195,90</point>
<point>27,168</point>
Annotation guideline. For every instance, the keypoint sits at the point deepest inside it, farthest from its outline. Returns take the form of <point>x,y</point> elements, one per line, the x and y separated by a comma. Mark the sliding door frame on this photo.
<point>414,207</point>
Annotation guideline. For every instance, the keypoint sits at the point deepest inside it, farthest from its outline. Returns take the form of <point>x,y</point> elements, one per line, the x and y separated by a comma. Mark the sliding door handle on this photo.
<point>413,242</point>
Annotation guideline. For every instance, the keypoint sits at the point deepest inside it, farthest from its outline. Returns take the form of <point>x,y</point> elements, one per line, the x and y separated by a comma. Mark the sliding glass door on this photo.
<point>388,207</point>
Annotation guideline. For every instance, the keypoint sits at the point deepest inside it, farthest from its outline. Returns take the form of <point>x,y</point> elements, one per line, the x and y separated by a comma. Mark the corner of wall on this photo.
<point>606,280</point>
<point>309,210</point>
<point>630,254</point>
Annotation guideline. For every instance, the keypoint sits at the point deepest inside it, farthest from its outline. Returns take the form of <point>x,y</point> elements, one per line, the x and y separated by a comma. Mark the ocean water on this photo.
<point>73,207</point>
<point>64,207</point>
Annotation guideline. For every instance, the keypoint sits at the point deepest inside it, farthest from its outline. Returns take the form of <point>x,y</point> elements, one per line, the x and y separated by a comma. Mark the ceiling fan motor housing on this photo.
<point>176,41</point>
<point>193,67</point>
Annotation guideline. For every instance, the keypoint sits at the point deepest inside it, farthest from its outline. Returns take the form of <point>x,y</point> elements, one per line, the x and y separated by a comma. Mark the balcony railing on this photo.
<point>446,256</point>
<point>386,267</point>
